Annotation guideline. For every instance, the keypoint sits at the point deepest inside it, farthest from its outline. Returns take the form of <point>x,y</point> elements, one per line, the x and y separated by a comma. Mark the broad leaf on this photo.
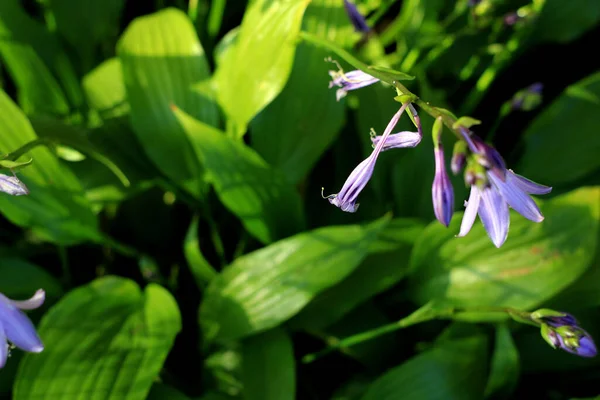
<point>562,144</point>
<point>105,89</point>
<point>268,367</point>
<point>20,279</point>
<point>456,367</point>
<point>384,267</point>
<point>564,21</point>
<point>269,207</point>
<point>161,59</point>
<point>297,127</point>
<point>504,371</point>
<point>108,338</point>
<point>536,262</point>
<point>266,287</point>
<point>257,67</point>
<point>55,207</point>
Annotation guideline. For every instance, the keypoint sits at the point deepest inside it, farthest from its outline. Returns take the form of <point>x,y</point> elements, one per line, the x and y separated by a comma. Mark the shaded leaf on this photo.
<point>20,279</point>
<point>105,89</point>
<point>266,287</point>
<point>269,207</point>
<point>107,338</point>
<point>55,208</point>
<point>202,271</point>
<point>457,367</point>
<point>561,144</point>
<point>504,371</point>
<point>255,69</point>
<point>268,367</point>
<point>536,262</point>
<point>564,21</point>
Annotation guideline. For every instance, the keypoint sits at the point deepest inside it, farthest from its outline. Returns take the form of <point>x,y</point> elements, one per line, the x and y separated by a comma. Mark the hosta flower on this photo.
<point>442,192</point>
<point>347,81</point>
<point>358,179</point>
<point>16,327</point>
<point>356,17</point>
<point>401,140</point>
<point>12,185</point>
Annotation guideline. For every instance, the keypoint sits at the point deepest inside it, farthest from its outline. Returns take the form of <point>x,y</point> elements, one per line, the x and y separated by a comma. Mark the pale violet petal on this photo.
<point>31,304</point>
<point>3,346</point>
<point>517,198</point>
<point>470,211</point>
<point>529,186</point>
<point>493,212</point>
<point>18,328</point>
<point>405,139</point>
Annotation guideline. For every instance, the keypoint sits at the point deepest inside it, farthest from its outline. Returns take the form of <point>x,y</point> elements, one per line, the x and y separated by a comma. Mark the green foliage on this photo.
<point>168,157</point>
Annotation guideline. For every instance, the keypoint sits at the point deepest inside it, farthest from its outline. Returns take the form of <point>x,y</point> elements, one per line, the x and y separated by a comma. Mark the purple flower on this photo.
<point>16,327</point>
<point>12,185</point>
<point>402,139</point>
<point>358,179</point>
<point>492,200</point>
<point>349,81</point>
<point>442,192</point>
<point>459,157</point>
<point>356,17</point>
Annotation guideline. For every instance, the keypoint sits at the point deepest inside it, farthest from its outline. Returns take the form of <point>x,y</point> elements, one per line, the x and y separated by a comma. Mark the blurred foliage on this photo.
<point>174,216</point>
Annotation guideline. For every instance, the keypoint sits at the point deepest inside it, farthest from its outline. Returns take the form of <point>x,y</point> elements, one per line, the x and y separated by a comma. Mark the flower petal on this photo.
<point>518,199</point>
<point>18,328</point>
<point>493,212</point>
<point>3,347</point>
<point>12,185</point>
<point>398,140</point>
<point>529,186</point>
<point>31,304</point>
<point>470,212</point>
<point>586,348</point>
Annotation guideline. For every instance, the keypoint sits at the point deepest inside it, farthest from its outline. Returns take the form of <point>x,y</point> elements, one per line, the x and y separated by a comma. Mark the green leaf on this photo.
<point>202,271</point>
<point>15,165</point>
<point>536,262</point>
<point>87,24</point>
<point>35,55</point>
<point>377,273</point>
<point>268,367</point>
<point>562,144</point>
<point>20,279</point>
<point>294,130</point>
<point>504,372</point>
<point>161,60</point>
<point>564,21</point>
<point>266,287</point>
<point>269,207</point>
<point>55,207</point>
<point>452,370</point>
<point>108,338</point>
<point>253,72</point>
<point>37,90</point>
<point>105,89</point>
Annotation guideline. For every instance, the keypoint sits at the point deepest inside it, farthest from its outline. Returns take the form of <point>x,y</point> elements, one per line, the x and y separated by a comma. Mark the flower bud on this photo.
<point>459,157</point>
<point>442,192</point>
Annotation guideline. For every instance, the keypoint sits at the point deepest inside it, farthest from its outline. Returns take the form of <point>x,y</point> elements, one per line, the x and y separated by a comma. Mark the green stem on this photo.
<point>425,314</point>
<point>14,155</point>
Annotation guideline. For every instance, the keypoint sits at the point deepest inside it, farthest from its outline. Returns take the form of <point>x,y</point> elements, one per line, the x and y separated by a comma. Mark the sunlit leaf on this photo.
<point>108,338</point>
<point>257,67</point>
<point>264,288</point>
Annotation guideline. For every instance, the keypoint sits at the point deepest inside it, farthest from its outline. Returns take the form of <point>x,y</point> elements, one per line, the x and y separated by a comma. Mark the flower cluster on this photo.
<point>562,331</point>
<point>16,328</point>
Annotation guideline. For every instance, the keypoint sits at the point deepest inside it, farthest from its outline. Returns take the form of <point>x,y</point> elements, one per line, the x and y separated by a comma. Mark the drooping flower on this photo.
<point>347,81</point>
<point>442,192</point>
<point>491,202</point>
<point>12,185</point>
<point>360,176</point>
<point>16,327</point>
<point>401,140</point>
<point>357,19</point>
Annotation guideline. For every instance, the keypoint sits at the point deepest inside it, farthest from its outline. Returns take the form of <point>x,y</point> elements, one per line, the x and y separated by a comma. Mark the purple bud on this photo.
<point>442,192</point>
<point>459,157</point>
<point>581,343</point>
<point>356,17</point>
